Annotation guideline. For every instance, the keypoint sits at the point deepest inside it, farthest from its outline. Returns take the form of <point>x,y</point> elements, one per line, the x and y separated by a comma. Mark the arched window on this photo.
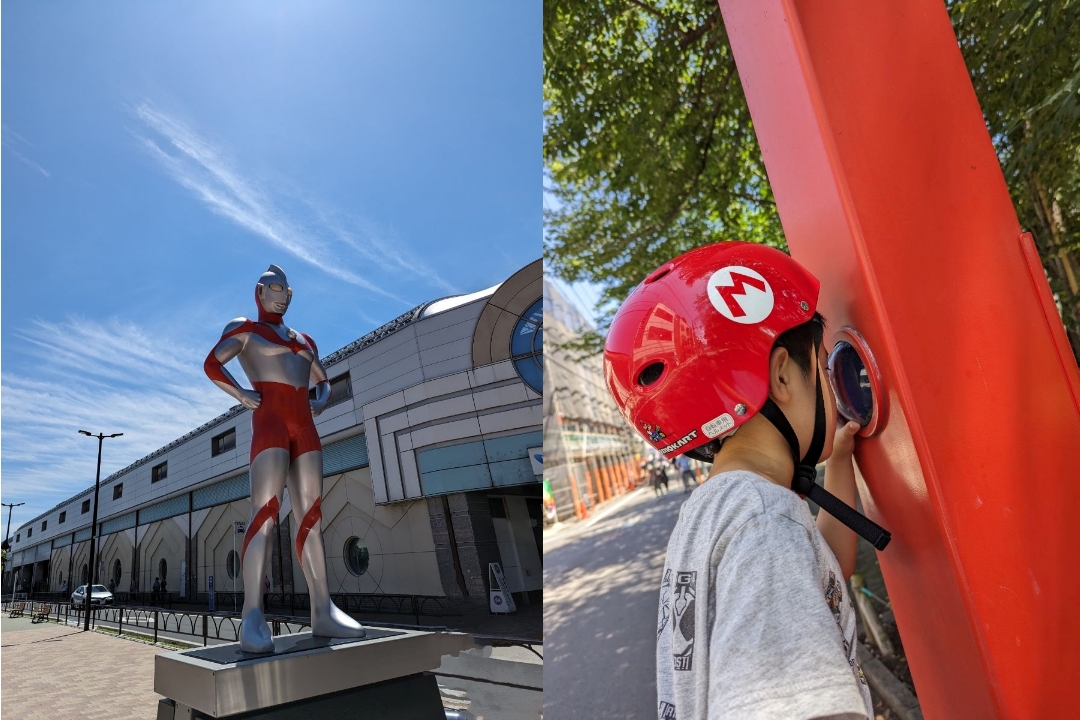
<point>117,570</point>
<point>163,569</point>
<point>232,564</point>
<point>527,346</point>
<point>85,573</point>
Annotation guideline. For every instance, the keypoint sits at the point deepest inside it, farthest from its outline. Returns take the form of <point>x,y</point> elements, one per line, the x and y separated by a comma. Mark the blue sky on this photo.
<point>156,157</point>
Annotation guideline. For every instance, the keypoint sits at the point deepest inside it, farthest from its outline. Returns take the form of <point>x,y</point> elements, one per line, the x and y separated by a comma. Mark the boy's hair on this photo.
<point>800,342</point>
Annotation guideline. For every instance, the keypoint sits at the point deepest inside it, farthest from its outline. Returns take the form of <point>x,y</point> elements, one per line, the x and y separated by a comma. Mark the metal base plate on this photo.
<point>284,644</point>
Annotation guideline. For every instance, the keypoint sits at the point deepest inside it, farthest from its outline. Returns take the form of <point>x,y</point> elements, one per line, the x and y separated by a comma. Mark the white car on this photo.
<point>100,596</point>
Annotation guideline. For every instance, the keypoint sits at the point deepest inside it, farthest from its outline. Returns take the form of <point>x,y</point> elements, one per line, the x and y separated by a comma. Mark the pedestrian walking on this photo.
<point>688,479</point>
<point>164,589</point>
<point>753,618</point>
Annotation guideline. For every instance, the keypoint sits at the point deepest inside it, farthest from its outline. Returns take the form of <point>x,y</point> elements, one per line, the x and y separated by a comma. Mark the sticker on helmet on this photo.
<point>740,294</point>
<point>654,432</point>
<point>718,426</point>
<point>679,443</point>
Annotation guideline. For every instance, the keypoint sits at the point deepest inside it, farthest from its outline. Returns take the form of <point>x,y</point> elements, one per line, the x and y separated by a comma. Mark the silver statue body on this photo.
<point>285,452</point>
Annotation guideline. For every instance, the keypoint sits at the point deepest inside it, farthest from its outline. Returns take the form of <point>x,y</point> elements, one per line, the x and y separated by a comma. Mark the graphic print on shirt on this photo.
<point>834,596</point>
<point>667,710</point>
<point>682,619</point>
<point>665,603</point>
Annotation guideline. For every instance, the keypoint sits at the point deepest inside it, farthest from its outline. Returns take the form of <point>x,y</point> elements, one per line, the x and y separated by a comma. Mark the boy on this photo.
<point>721,349</point>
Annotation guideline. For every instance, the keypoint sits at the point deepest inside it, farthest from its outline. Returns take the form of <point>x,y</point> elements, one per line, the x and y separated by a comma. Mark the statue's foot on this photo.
<point>332,622</point>
<point>255,635</point>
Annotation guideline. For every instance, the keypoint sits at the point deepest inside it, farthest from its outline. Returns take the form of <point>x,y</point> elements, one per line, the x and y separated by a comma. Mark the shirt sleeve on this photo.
<point>775,649</point>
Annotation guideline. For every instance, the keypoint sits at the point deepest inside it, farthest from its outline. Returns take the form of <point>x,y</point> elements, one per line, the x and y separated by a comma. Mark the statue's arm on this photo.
<point>232,341</point>
<point>318,378</point>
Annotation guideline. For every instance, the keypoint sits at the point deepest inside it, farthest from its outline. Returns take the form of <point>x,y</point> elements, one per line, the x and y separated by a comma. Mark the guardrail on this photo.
<point>152,621</point>
<point>369,603</point>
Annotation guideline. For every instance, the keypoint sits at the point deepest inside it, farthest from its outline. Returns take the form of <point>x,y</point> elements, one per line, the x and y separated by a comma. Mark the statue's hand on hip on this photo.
<point>250,399</point>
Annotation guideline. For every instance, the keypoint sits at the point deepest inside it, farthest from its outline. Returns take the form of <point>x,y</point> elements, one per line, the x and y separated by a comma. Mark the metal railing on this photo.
<point>152,621</point>
<point>369,603</point>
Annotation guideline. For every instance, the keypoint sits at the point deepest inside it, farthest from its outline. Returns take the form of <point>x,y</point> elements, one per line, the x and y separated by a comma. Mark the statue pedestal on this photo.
<point>384,675</point>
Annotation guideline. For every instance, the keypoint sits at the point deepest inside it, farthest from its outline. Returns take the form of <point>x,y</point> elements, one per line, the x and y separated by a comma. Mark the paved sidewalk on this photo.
<point>52,671</point>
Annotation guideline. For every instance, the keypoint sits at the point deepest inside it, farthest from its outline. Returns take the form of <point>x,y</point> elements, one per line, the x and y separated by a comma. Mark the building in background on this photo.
<point>431,447</point>
<point>590,455</point>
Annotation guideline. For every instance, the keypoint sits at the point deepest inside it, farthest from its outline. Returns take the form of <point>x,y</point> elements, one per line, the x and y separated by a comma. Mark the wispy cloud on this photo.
<point>13,141</point>
<point>103,377</point>
<point>325,237</point>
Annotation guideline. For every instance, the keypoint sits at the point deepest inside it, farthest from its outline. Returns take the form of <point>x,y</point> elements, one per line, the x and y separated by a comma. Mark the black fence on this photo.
<point>150,622</point>
<point>373,604</point>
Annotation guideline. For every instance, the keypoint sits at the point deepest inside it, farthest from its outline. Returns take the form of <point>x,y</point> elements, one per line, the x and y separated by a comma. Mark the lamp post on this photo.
<point>92,575</point>
<point>10,507</point>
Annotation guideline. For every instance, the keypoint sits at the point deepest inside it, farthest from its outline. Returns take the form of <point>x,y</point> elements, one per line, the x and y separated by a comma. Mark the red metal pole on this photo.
<point>890,192</point>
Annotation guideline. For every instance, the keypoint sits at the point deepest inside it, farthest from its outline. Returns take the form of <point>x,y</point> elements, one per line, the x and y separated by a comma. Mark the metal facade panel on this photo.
<point>219,493</point>
<point>117,524</point>
<point>164,509</point>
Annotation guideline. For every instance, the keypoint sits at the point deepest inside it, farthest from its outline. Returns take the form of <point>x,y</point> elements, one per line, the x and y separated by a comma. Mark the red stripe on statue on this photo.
<point>269,511</point>
<point>313,516</point>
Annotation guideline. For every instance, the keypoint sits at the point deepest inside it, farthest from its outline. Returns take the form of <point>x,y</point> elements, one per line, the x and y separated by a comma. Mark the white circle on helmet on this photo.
<point>740,294</point>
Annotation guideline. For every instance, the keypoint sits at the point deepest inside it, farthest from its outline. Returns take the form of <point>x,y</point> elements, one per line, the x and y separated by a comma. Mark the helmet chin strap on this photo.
<point>803,481</point>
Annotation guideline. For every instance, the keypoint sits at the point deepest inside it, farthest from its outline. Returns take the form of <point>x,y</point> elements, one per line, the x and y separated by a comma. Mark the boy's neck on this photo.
<point>759,448</point>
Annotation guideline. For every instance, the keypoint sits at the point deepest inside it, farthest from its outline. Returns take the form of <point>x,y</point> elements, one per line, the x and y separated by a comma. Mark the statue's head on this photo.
<point>273,295</point>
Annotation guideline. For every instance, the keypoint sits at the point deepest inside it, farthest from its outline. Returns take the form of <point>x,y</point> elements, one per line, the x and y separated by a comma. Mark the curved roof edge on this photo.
<point>453,301</point>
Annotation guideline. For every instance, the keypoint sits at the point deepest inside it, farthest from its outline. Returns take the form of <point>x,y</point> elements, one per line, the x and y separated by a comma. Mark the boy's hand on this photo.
<point>844,442</point>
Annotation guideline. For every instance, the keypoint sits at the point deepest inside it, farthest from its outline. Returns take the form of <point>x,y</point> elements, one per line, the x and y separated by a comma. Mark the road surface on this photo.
<point>601,586</point>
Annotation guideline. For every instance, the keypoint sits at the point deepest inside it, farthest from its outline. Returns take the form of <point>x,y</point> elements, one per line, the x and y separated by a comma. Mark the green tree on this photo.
<point>649,149</point>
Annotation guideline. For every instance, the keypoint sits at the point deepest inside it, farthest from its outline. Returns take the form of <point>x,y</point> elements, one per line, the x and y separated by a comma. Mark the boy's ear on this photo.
<point>780,375</point>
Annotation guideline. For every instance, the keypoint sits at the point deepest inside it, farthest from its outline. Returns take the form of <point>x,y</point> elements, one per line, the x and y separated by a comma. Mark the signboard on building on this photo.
<point>536,457</point>
<point>499,598</point>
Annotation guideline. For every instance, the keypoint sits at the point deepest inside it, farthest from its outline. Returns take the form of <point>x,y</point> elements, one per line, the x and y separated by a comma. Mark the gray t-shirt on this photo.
<point>754,621</point>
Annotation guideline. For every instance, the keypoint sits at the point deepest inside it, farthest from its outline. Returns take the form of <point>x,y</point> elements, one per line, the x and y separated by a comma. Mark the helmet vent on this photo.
<point>650,374</point>
<point>659,273</point>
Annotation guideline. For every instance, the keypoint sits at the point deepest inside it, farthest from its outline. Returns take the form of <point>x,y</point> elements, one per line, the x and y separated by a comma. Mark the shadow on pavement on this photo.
<point>601,588</point>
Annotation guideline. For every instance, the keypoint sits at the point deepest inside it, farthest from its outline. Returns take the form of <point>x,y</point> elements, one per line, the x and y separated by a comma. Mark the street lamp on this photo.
<point>92,575</point>
<point>10,507</point>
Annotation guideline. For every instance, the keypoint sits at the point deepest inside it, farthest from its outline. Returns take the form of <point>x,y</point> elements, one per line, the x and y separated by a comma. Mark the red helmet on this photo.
<point>687,356</point>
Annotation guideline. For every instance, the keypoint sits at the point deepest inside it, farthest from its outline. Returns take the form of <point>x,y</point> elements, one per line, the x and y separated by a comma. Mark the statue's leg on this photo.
<point>305,489</point>
<point>268,471</point>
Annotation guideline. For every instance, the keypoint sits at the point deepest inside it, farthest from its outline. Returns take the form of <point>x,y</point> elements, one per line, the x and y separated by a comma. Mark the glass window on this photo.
<point>85,506</point>
<point>63,517</point>
<point>527,346</point>
<point>163,569</point>
<point>159,472</point>
<point>29,532</point>
<point>224,442</point>
<point>118,491</point>
<point>232,564</point>
<point>44,524</point>
<point>116,571</point>
<point>357,556</point>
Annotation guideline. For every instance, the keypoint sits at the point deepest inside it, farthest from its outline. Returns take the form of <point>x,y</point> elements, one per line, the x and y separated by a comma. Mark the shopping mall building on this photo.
<point>432,467</point>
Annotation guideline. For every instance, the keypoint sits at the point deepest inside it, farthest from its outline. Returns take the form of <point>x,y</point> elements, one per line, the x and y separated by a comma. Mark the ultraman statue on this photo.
<point>285,452</point>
